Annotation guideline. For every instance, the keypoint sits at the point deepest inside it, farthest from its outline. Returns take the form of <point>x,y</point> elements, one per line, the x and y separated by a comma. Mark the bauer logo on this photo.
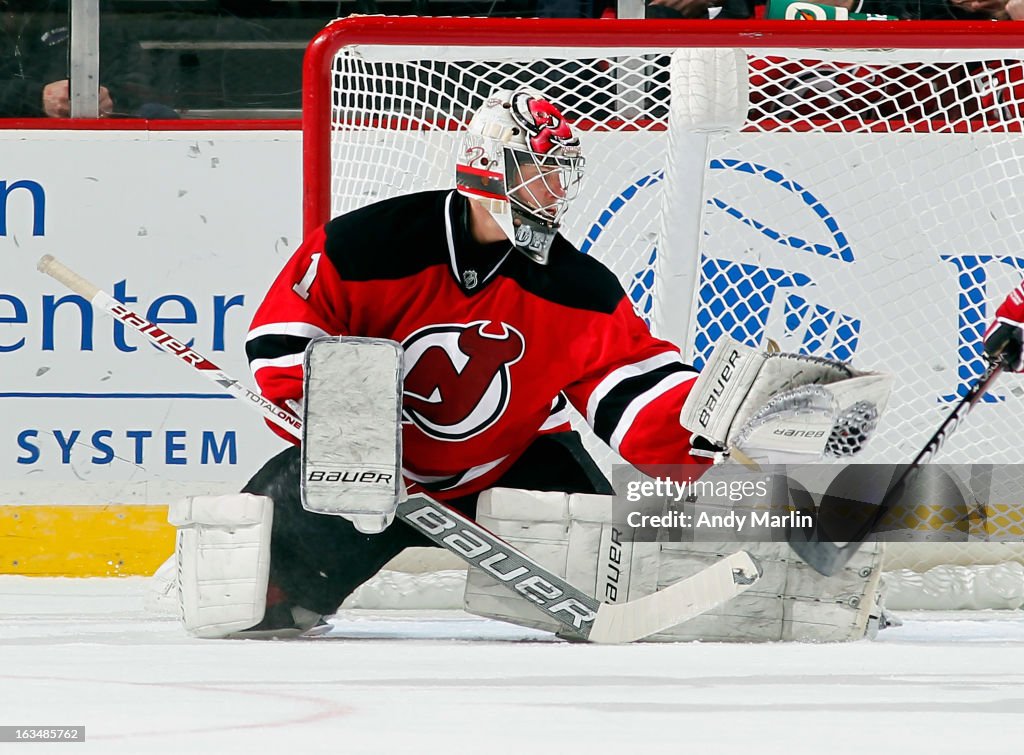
<point>164,339</point>
<point>351,477</point>
<point>725,374</point>
<point>491,555</point>
<point>616,565</point>
<point>790,433</point>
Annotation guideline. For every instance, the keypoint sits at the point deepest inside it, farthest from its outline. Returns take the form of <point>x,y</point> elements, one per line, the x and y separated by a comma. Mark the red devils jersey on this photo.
<point>495,345</point>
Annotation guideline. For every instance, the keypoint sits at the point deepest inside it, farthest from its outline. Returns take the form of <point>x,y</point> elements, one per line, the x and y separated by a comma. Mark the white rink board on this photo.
<point>205,218</point>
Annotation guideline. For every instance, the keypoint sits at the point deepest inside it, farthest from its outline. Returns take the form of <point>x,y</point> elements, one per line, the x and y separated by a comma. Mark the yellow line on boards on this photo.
<point>84,541</point>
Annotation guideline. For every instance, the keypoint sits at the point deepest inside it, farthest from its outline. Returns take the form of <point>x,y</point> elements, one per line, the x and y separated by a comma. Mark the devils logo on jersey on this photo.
<point>457,380</point>
<point>546,126</point>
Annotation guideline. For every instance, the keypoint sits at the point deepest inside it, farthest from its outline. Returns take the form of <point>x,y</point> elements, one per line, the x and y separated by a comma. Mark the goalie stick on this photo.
<point>583,617</point>
<point>827,557</point>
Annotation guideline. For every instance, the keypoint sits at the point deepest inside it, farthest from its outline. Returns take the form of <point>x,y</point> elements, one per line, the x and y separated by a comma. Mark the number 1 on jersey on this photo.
<point>302,287</point>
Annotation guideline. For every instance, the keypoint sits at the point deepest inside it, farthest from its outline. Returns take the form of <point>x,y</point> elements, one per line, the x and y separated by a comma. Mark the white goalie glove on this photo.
<point>783,408</point>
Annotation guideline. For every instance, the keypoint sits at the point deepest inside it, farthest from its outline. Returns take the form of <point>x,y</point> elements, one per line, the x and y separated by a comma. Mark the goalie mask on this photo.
<point>521,160</point>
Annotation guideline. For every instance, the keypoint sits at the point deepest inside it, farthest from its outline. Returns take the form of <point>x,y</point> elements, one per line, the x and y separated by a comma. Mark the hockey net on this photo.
<point>855,203</point>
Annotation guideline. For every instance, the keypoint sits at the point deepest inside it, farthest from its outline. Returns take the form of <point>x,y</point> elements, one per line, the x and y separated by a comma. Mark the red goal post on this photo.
<point>846,189</point>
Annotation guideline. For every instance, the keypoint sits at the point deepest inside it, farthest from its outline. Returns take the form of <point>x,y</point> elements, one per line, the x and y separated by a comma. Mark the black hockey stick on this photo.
<point>828,557</point>
<point>582,616</point>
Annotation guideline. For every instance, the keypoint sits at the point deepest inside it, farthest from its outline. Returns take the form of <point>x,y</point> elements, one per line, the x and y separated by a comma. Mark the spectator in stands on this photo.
<point>34,71</point>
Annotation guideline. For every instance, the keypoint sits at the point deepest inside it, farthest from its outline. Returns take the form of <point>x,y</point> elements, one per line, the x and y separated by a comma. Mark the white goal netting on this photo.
<point>856,204</point>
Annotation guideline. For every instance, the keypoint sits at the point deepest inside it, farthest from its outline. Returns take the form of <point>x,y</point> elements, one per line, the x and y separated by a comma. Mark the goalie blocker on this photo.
<point>352,444</point>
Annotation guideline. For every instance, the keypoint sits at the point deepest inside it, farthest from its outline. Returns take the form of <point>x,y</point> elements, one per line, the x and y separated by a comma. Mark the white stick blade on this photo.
<point>627,622</point>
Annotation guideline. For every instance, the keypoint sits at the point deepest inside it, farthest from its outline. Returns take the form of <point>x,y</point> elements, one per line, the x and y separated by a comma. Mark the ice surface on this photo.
<point>85,652</point>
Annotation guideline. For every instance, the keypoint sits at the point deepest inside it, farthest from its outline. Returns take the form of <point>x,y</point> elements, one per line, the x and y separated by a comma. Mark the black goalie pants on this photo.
<point>319,560</point>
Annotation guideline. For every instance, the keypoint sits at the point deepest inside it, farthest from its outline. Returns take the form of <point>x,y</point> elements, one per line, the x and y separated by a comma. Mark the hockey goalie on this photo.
<point>469,326</point>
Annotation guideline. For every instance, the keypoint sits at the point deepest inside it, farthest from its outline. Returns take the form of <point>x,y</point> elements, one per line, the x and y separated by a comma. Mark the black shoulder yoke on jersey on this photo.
<point>390,239</point>
<point>570,278</point>
<point>399,237</point>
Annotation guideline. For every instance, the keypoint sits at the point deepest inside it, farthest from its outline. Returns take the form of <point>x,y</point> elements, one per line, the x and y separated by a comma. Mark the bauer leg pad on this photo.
<point>575,537</point>
<point>223,556</point>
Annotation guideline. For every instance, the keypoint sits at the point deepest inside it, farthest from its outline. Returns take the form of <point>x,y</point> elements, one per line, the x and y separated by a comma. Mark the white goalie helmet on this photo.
<point>521,160</point>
